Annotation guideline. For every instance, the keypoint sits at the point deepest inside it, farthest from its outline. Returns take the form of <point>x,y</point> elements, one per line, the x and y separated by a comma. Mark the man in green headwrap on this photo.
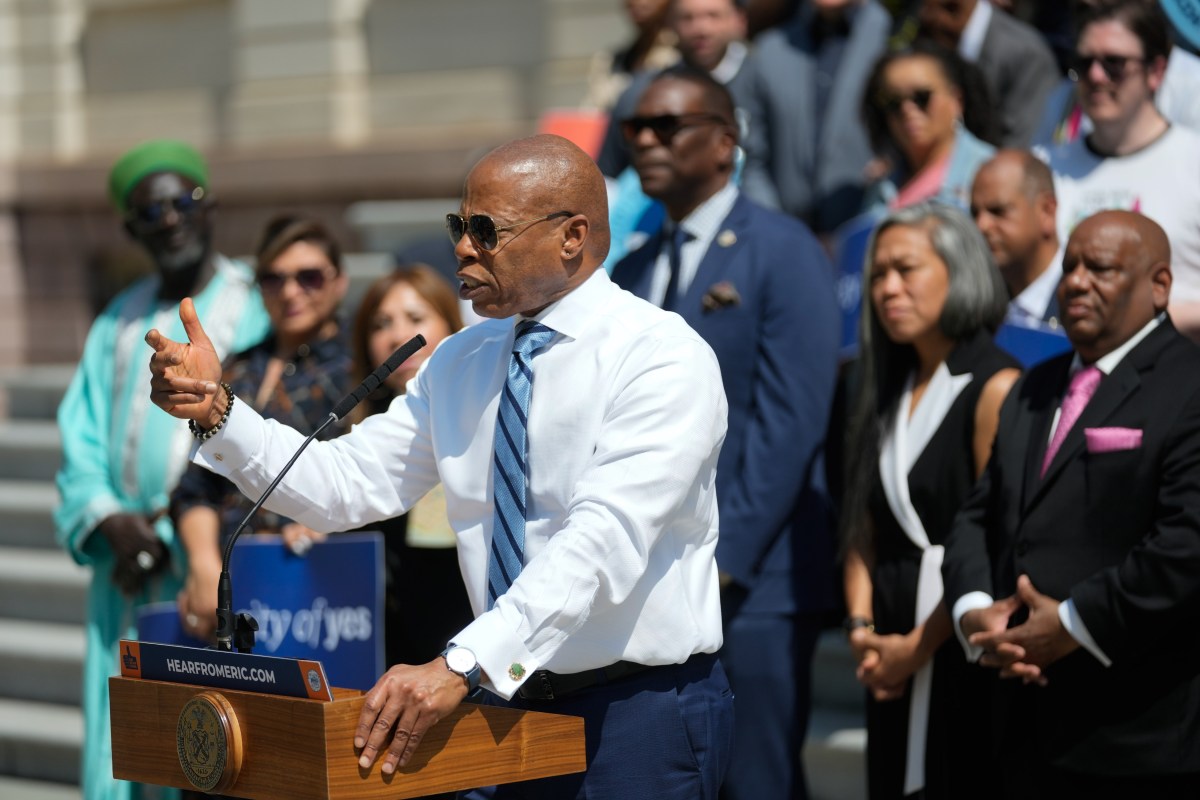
<point>121,457</point>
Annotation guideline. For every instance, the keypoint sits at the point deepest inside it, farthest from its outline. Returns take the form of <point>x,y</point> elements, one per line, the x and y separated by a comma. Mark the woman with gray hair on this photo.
<point>931,383</point>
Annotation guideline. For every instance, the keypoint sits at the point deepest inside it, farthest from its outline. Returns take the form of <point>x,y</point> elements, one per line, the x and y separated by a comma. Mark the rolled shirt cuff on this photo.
<point>969,602</point>
<point>505,660</point>
<point>1073,623</point>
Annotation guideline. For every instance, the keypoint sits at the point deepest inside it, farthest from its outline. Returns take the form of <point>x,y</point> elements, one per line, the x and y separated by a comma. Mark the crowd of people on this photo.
<point>646,476</point>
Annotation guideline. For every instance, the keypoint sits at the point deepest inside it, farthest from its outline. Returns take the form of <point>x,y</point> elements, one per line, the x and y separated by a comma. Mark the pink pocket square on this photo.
<point>1111,440</point>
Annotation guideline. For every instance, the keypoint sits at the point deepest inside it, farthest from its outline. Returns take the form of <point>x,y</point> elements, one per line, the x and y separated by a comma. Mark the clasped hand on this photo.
<point>1024,650</point>
<point>886,662</point>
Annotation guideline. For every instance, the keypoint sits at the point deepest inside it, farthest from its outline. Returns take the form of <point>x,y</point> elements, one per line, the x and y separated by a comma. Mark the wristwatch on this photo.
<point>462,661</point>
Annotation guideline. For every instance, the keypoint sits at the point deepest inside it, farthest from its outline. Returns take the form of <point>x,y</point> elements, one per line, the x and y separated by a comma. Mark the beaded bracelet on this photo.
<point>205,435</point>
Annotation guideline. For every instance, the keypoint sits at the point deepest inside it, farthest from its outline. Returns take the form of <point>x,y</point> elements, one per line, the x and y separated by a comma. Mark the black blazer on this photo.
<point>1119,533</point>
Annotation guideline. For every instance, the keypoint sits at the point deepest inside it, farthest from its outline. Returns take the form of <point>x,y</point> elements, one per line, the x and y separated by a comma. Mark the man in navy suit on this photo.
<point>759,289</point>
<point>1086,523</point>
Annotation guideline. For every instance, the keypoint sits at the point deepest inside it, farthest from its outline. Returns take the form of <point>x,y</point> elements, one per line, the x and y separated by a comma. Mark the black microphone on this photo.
<point>239,632</point>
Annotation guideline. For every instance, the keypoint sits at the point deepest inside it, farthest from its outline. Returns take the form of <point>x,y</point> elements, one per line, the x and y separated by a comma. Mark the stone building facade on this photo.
<point>301,105</point>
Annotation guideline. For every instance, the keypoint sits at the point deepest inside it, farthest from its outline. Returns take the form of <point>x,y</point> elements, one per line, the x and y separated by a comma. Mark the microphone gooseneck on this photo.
<point>243,627</point>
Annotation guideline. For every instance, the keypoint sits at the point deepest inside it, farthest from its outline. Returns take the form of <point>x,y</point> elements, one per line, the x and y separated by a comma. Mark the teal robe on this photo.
<point>121,453</point>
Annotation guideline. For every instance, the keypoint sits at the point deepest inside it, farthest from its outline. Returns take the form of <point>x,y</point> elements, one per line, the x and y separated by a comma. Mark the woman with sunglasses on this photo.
<point>929,394</point>
<point>929,120</point>
<point>420,546</point>
<point>295,376</point>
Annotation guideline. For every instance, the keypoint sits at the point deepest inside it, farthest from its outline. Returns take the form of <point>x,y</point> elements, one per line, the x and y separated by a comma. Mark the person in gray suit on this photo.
<point>807,146</point>
<point>1015,60</point>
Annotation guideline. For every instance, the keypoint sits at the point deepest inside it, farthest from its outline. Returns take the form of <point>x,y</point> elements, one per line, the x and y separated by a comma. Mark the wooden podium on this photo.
<point>290,747</point>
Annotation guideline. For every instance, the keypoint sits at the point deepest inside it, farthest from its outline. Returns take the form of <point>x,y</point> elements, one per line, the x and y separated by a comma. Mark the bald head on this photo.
<point>548,170</point>
<point>1013,204</point>
<point>536,226</point>
<point>1116,279</point>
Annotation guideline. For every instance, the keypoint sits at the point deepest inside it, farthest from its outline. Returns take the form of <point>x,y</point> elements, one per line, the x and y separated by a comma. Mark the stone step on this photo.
<point>34,391</point>
<point>42,585</point>
<point>21,789</point>
<point>835,756</point>
<point>40,741</point>
<point>26,513</point>
<point>30,449</point>
<point>41,661</point>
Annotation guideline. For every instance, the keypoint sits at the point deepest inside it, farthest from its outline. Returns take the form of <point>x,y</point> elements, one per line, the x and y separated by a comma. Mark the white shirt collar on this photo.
<point>1031,304</point>
<point>571,314</point>
<point>1109,361</point>
<point>727,69</point>
<point>970,44</point>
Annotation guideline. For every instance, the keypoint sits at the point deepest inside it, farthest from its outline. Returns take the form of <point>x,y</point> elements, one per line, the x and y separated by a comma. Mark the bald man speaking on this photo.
<point>1087,524</point>
<point>576,433</point>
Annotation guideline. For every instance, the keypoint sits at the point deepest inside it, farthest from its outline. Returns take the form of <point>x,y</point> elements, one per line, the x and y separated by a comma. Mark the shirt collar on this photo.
<point>705,218</point>
<point>1035,298</point>
<point>1109,361</point>
<point>727,69</point>
<point>970,44</point>
<point>571,314</point>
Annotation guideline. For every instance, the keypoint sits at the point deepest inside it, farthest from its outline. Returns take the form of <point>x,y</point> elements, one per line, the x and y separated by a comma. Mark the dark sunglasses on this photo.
<point>310,279</point>
<point>482,228</point>
<point>154,213</point>
<point>893,103</point>
<point>667,126</point>
<point>1113,66</point>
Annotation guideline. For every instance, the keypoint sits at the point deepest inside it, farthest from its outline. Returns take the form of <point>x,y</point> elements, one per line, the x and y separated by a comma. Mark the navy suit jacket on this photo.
<point>777,347</point>
<point>1118,531</point>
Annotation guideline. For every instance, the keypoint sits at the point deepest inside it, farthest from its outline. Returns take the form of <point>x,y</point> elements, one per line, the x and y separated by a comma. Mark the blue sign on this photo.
<point>324,606</point>
<point>1031,345</point>
<point>849,253</point>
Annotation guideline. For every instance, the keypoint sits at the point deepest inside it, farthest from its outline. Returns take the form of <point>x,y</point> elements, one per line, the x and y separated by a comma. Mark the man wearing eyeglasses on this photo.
<point>757,286</point>
<point>121,458</point>
<point>1134,158</point>
<point>576,433</point>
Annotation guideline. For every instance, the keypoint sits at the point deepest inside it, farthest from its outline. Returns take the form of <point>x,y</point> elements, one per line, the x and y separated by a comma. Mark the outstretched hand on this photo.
<point>184,377</point>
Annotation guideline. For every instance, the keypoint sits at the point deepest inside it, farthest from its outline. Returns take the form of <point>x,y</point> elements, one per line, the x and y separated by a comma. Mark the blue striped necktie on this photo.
<point>511,461</point>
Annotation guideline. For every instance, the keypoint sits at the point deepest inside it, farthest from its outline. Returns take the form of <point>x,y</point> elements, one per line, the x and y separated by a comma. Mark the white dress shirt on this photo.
<point>1071,621</point>
<point>625,425</point>
<point>703,224</point>
<point>1028,309</point>
<point>970,42</point>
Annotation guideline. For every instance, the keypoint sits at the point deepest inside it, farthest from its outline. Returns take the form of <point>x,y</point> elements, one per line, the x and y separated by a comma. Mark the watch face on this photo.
<point>461,660</point>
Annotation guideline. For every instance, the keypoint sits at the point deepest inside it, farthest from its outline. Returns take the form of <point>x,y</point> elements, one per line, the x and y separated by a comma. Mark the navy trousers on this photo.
<point>661,734</point>
<point>769,657</point>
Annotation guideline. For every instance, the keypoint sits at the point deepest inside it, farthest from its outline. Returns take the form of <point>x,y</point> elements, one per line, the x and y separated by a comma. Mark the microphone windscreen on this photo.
<point>402,354</point>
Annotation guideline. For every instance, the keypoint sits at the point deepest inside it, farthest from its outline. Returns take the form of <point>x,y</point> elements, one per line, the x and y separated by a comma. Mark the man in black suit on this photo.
<point>1091,534</point>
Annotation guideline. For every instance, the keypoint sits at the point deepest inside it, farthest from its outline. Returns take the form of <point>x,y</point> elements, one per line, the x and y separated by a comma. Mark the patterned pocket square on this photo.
<point>1111,440</point>
<point>720,295</point>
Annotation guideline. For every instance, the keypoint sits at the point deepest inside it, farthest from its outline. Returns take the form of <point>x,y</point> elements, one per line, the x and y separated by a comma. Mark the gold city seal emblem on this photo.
<point>207,742</point>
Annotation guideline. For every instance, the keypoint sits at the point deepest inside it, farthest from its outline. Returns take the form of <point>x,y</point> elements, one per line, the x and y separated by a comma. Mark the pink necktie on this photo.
<point>1083,386</point>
